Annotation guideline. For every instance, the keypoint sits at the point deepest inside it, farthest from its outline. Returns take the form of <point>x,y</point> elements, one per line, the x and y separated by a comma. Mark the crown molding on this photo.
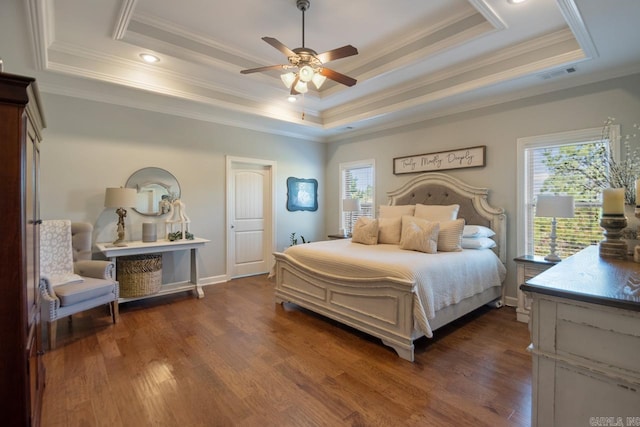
<point>572,15</point>
<point>124,17</point>
<point>40,23</point>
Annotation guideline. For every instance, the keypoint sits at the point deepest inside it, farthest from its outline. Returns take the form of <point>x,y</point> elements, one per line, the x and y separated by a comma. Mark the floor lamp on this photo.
<point>351,206</point>
<point>552,206</point>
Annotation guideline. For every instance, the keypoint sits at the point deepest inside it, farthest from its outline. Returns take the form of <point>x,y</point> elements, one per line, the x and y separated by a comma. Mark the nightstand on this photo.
<point>338,236</point>
<point>528,267</point>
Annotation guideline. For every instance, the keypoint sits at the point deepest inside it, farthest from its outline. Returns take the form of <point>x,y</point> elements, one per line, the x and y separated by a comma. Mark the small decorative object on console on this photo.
<point>613,221</point>
<point>178,215</point>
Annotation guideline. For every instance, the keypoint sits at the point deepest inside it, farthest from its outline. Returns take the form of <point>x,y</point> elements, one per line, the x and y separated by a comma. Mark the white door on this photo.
<point>250,225</point>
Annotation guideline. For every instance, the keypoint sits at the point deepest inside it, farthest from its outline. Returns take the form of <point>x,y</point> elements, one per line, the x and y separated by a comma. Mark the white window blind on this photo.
<point>357,181</point>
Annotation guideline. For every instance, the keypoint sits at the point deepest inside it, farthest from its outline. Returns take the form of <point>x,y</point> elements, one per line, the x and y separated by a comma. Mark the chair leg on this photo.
<point>115,311</point>
<point>52,328</point>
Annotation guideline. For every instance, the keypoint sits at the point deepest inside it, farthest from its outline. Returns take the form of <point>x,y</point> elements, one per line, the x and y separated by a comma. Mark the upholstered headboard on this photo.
<point>440,189</point>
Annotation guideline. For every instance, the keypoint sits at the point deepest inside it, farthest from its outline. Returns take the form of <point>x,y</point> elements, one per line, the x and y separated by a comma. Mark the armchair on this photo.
<point>70,281</point>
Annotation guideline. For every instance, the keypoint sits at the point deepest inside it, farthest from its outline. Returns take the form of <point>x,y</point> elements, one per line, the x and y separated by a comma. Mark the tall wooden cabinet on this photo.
<point>21,366</point>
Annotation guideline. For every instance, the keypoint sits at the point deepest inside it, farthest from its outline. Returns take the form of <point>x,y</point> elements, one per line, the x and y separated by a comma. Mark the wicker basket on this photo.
<point>139,275</point>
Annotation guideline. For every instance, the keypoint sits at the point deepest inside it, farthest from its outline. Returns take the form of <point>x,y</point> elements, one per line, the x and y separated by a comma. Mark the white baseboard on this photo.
<point>511,301</point>
<point>213,280</point>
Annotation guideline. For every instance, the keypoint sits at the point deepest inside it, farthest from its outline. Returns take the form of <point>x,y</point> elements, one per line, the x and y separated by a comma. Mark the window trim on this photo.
<point>550,140</point>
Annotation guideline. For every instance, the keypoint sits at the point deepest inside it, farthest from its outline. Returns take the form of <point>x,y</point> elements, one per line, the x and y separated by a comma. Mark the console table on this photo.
<point>585,333</point>
<point>160,246</point>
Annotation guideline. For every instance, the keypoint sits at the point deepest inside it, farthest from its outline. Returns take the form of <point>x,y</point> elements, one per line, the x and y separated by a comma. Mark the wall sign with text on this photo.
<point>454,159</point>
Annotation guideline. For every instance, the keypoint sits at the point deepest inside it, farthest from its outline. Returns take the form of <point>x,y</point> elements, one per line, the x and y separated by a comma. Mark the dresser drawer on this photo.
<point>610,337</point>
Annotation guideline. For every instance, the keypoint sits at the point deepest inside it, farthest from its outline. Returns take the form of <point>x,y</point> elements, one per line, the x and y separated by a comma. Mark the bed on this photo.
<point>379,295</point>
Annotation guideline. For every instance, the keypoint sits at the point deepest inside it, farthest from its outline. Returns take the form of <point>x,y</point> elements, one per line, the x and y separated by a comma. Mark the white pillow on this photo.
<point>389,230</point>
<point>396,211</point>
<point>419,235</point>
<point>437,212</point>
<point>477,231</point>
<point>450,236</point>
<point>477,243</point>
<point>365,231</point>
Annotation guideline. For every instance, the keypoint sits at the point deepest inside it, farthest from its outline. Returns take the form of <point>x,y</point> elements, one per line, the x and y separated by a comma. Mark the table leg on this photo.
<point>197,291</point>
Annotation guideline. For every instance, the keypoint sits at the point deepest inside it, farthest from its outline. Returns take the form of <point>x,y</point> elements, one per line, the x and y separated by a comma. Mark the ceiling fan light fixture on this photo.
<point>292,98</point>
<point>301,87</point>
<point>318,80</point>
<point>288,79</point>
<point>306,73</point>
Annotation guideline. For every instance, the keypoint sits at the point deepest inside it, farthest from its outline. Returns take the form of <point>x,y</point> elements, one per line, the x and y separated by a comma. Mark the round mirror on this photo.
<point>156,188</point>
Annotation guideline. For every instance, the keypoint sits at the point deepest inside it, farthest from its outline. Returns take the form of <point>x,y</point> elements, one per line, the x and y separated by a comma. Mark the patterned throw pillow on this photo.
<point>419,235</point>
<point>365,231</point>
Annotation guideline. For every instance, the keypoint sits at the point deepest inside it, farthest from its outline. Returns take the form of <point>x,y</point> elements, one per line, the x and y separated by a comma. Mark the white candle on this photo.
<point>613,201</point>
<point>637,192</point>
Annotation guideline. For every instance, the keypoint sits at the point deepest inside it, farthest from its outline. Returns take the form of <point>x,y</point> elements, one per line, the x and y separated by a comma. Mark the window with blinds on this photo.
<point>543,160</point>
<point>357,181</point>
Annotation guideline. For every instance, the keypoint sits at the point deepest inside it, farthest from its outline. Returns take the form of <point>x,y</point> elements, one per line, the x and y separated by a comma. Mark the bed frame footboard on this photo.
<point>383,308</point>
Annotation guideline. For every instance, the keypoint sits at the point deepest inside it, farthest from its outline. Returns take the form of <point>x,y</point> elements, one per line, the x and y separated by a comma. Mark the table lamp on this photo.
<point>120,198</point>
<point>552,206</point>
<point>351,206</point>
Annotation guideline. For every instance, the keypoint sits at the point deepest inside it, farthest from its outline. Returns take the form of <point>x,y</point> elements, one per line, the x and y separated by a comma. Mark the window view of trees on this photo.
<point>358,183</point>
<point>582,168</point>
<point>576,170</point>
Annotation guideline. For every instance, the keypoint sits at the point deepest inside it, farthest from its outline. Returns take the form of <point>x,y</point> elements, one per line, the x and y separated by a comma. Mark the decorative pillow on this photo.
<point>389,230</point>
<point>477,231</point>
<point>419,235</point>
<point>450,236</point>
<point>477,243</point>
<point>396,211</point>
<point>437,212</point>
<point>365,231</point>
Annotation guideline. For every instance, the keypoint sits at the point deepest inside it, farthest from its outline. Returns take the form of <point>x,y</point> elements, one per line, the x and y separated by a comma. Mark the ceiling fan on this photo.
<point>308,63</point>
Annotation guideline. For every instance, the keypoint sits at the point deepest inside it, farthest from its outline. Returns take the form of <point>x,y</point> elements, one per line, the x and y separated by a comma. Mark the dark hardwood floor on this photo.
<point>236,358</point>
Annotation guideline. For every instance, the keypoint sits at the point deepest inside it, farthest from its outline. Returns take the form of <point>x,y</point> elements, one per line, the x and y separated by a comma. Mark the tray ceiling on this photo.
<point>417,59</point>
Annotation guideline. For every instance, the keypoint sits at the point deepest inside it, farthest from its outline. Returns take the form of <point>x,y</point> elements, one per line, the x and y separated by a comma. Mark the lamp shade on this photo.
<point>120,197</point>
<point>552,206</point>
<point>350,205</point>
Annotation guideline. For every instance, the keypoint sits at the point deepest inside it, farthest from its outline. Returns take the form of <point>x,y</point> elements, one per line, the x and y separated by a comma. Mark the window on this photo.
<point>540,171</point>
<point>357,181</point>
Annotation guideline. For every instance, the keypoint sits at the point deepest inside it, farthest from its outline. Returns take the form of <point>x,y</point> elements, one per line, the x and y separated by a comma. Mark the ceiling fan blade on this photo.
<point>337,77</point>
<point>266,68</point>
<point>281,47</point>
<point>341,52</point>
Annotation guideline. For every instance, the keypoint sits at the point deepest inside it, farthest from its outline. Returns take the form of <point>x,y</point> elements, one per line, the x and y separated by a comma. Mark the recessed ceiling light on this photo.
<point>147,57</point>
<point>292,98</point>
<point>516,1</point>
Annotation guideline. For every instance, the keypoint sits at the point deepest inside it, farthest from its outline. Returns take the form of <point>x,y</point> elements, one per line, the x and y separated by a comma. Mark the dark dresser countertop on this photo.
<point>588,277</point>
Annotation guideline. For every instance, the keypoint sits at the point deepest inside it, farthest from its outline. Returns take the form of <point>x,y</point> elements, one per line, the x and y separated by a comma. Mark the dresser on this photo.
<point>585,342</point>
<point>528,267</point>
<point>22,369</point>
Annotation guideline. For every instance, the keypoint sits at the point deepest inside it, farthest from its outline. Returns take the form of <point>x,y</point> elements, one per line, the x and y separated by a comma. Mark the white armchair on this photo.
<point>71,281</point>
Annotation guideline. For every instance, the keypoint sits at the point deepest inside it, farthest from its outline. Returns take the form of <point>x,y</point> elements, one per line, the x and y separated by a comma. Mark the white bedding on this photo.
<point>439,280</point>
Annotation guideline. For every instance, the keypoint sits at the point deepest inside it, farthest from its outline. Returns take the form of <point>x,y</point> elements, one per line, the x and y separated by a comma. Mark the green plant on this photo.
<point>294,240</point>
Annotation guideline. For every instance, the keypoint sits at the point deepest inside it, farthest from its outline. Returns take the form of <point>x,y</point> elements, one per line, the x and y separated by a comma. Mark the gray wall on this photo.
<point>89,146</point>
<point>496,127</point>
